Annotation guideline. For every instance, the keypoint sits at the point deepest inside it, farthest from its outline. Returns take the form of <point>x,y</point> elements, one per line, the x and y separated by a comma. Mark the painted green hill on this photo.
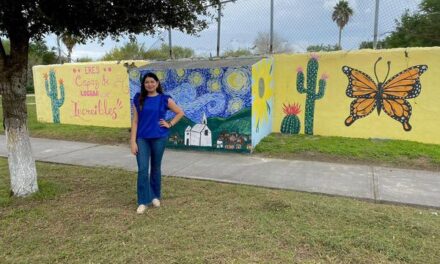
<point>239,123</point>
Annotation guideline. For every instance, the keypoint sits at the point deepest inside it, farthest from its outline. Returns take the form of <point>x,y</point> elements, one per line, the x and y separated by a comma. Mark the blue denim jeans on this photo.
<point>149,183</point>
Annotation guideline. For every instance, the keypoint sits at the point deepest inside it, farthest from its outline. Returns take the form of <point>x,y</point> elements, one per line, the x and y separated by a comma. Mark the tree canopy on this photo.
<point>418,29</point>
<point>262,44</point>
<point>69,41</point>
<point>369,45</point>
<point>237,53</point>
<point>341,15</point>
<point>322,47</point>
<point>135,51</point>
<point>100,18</point>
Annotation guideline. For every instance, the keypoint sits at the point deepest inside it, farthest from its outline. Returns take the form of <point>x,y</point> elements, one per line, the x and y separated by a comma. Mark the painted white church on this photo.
<point>199,134</point>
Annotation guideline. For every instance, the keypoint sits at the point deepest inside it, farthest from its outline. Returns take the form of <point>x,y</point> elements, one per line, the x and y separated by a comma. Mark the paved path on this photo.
<point>380,184</point>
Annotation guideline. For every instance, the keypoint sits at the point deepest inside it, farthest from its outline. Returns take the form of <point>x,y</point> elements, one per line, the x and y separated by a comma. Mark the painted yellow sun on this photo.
<point>196,79</point>
<point>161,75</point>
<point>236,80</point>
<point>262,92</point>
<point>180,73</point>
<point>215,72</point>
<point>214,85</point>
<point>235,105</point>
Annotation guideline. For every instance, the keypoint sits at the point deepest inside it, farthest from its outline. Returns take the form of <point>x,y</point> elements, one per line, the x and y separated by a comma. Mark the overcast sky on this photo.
<point>299,23</point>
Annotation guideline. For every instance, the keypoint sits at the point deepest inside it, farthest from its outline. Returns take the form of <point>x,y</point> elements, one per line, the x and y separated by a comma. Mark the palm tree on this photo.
<point>341,14</point>
<point>69,41</point>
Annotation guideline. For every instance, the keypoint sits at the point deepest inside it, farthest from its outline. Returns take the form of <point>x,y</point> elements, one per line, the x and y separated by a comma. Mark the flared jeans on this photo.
<point>149,160</point>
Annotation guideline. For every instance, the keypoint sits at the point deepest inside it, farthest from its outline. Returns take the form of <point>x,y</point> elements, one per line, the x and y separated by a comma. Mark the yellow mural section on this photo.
<point>262,99</point>
<point>95,94</point>
<point>331,111</point>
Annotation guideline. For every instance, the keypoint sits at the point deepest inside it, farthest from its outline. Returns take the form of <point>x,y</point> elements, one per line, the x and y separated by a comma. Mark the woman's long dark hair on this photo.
<point>144,92</point>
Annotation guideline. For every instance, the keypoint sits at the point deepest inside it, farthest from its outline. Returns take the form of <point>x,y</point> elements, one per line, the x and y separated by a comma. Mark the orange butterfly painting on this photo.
<point>389,95</point>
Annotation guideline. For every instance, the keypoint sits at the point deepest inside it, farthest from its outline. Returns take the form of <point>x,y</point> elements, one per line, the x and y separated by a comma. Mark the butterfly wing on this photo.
<point>364,89</point>
<point>398,109</point>
<point>359,108</point>
<point>404,85</point>
<point>360,85</point>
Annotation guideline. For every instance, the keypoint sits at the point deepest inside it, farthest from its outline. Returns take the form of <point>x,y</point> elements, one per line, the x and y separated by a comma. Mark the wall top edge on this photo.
<point>121,62</point>
<point>362,51</point>
<point>205,63</point>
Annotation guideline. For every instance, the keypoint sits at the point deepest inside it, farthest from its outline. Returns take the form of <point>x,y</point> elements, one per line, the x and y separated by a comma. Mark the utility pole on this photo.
<point>218,27</point>
<point>170,44</point>
<point>376,22</point>
<point>219,5</point>
<point>59,49</point>
<point>271,27</point>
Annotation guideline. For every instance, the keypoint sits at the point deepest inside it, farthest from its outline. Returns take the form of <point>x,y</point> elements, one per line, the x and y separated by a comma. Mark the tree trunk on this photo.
<point>21,163</point>
<point>69,56</point>
<point>339,42</point>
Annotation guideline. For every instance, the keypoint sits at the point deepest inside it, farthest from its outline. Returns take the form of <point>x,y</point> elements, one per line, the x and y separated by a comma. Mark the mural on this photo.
<point>233,107</point>
<point>93,94</point>
<point>365,86</point>
<point>312,96</point>
<point>262,99</point>
<point>216,101</point>
<point>388,95</point>
<point>52,93</point>
<point>291,123</point>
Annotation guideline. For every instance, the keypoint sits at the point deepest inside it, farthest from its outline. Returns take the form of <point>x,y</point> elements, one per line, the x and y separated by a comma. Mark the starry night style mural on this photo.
<point>216,101</point>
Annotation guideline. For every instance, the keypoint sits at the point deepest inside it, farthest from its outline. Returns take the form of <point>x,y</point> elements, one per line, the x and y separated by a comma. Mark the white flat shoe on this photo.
<point>141,209</point>
<point>156,202</point>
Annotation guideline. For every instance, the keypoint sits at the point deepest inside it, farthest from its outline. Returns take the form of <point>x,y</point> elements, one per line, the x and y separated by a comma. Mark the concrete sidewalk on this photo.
<point>381,184</point>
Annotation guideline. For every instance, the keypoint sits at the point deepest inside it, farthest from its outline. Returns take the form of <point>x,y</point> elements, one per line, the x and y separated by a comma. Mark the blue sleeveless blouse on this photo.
<point>153,110</point>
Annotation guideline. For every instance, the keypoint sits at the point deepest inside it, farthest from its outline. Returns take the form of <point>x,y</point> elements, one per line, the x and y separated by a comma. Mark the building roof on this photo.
<point>198,128</point>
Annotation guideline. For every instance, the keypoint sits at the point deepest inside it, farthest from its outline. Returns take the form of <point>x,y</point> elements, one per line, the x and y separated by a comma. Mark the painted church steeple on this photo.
<point>204,119</point>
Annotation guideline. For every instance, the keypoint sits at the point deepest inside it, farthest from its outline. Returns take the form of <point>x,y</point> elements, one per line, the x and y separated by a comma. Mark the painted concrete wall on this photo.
<point>411,95</point>
<point>94,94</point>
<point>216,101</point>
<point>236,103</point>
<point>262,99</point>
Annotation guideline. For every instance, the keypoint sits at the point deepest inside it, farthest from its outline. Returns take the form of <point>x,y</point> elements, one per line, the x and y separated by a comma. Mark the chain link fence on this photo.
<point>297,25</point>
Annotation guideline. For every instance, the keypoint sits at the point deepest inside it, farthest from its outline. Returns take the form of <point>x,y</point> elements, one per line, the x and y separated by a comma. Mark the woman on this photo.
<point>149,134</point>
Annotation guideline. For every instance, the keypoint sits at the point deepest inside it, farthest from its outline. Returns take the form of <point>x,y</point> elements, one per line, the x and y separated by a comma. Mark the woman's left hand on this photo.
<point>164,123</point>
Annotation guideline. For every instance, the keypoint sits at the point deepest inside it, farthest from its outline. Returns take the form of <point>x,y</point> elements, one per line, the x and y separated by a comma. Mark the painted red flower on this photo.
<point>292,109</point>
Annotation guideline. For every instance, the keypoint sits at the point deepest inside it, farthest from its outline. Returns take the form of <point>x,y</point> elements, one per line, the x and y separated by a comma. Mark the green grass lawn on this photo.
<point>87,215</point>
<point>405,154</point>
<point>400,153</point>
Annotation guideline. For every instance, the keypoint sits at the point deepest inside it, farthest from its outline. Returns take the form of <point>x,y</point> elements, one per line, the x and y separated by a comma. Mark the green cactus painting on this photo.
<point>312,96</point>
<point>52,92</point>
<point>291,123</point>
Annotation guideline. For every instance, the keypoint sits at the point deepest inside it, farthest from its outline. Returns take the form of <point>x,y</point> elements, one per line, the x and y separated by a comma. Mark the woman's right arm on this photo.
<point>134,126</point>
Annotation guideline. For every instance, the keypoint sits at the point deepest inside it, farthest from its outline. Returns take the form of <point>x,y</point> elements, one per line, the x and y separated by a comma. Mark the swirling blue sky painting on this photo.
<point>215,92</point>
